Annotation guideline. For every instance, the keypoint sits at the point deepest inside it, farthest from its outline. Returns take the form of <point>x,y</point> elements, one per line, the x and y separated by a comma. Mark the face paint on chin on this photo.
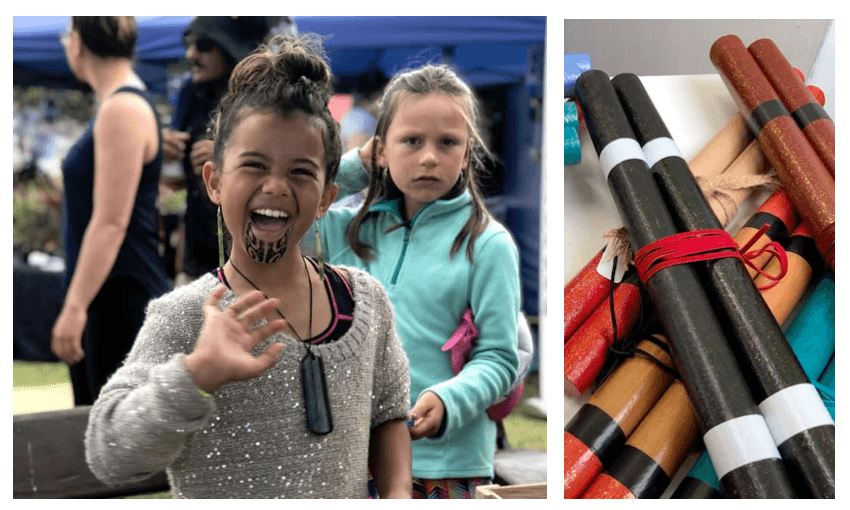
<point>263,251</point>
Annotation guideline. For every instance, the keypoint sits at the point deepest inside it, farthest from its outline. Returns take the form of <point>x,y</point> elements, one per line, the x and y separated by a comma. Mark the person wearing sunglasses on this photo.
<point>214,45</point>
<point>110,231</point>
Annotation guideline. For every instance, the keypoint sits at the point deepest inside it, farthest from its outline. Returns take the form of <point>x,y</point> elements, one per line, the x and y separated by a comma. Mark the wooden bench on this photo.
<point>50,460</point>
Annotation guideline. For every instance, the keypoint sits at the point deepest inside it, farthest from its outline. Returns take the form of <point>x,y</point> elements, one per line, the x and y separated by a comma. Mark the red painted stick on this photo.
<point>804,176</point>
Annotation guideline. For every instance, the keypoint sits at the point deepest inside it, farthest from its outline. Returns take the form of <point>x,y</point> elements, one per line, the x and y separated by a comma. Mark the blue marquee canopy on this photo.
<point>486,50</point>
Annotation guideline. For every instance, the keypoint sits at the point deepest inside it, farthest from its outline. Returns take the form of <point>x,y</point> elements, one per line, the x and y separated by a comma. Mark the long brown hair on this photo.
<point>428,79</point>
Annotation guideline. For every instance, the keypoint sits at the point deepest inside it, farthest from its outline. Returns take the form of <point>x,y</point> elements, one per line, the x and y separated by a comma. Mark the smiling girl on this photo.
<point>274,376</point>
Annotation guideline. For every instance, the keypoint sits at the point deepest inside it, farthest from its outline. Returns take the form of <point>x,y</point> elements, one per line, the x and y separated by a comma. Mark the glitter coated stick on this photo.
<point>806,179</point>
<point>747,167</point>
<point>597,432</point>
<point>806,110</point>
<point>812,337</point>
<point>585,353</point>
<point>728,416</point>
<point>654,451</point>
<point>583,294</point>
<point>767,361</point>
<point>812,340</point>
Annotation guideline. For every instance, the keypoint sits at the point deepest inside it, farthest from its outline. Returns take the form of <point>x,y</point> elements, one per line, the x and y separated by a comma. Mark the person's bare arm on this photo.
<point>122,131</point>
<point>390,460</point>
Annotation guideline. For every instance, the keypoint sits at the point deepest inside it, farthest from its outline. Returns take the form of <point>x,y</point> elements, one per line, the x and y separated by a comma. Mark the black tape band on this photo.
<point>805,247</point>
<point>639,473</point>
<point>598,431</point>
<point>777,229</point>
<point>764,113</point>
<point>809,113</point>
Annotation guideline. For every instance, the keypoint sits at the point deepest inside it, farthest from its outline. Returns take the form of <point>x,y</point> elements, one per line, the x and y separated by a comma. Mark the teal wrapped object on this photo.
<point>828,376</point>
<point>704,470</point>
<point>812,333</point>
<point>572,145</point>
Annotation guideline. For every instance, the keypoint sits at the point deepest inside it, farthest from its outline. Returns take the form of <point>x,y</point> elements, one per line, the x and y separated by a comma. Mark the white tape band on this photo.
<point>660,148</point>
<point>606,264</point>
<point>793,410</point>
<point>621,149</point>
<point>738,442</point>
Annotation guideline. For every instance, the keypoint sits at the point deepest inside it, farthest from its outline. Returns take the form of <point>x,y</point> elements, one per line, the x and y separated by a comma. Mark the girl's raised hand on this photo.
<point>223,351</point>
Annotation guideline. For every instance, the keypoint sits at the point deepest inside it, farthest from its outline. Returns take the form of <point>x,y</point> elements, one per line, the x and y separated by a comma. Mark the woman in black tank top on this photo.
<point>110,219</point>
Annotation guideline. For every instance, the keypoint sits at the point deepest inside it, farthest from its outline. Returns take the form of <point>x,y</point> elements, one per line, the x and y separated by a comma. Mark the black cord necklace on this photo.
<point>282,316</point>
<point>316,402</point>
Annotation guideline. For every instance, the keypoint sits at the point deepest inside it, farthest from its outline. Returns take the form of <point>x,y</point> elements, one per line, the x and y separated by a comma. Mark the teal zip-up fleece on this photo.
<point>430,291</point>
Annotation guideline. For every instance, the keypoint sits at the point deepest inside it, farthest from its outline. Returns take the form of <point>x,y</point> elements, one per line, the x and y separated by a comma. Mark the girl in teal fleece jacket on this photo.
<point>426,235</point>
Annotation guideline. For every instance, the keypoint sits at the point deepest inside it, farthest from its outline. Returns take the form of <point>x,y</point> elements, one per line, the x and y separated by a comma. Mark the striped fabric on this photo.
<point>451,488</point>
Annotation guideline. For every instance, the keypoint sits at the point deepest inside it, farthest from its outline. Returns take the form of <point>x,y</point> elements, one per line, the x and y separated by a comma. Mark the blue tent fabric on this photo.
<point>486,50</point>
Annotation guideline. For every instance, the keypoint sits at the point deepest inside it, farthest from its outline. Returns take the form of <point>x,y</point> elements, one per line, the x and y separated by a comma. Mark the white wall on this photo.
<point>673,47</point>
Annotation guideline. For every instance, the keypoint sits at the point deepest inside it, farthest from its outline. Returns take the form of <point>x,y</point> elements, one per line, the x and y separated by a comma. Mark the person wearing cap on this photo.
<point>214,45</point>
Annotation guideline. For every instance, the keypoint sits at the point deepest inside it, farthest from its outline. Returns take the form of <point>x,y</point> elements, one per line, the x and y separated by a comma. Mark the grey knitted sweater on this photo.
<point>249,439</point>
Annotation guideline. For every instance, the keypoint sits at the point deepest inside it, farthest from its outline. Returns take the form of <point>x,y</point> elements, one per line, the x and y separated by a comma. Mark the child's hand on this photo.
<point>366,154</point>
<point>427,415</point>
<point>223,352</point>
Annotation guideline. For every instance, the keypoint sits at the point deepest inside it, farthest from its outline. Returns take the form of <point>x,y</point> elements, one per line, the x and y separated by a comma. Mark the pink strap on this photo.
<point>460,342</point>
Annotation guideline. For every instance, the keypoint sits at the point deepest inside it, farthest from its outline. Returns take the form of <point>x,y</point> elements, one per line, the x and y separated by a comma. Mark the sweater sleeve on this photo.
<point>495,302</point>
<point>353,176</point>
<point>144,413</point>
<point>391,382</point>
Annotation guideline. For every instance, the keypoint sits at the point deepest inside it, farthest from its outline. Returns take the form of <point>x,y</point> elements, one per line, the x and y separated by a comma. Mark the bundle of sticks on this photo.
<point>714,358</point>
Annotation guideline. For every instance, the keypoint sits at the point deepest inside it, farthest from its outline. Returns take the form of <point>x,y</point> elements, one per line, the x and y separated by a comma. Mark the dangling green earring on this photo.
<point>220,239</point>
<point>319,252</point>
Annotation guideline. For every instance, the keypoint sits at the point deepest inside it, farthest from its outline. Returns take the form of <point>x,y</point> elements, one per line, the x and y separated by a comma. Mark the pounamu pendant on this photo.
<point>316,401</point>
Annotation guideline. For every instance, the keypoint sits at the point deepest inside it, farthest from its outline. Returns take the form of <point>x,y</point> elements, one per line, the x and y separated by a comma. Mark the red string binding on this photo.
<point>702,245</point>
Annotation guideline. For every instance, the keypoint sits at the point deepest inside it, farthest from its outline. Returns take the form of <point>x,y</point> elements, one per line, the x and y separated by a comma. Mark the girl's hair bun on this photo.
<point>287,74</point>
<point>285,61</point>
<point>300,58</point>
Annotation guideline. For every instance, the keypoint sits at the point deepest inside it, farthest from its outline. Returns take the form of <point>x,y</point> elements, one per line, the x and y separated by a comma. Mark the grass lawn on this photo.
<point>40,387</point>
<point>32,373</point>
<point>523,427</point>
